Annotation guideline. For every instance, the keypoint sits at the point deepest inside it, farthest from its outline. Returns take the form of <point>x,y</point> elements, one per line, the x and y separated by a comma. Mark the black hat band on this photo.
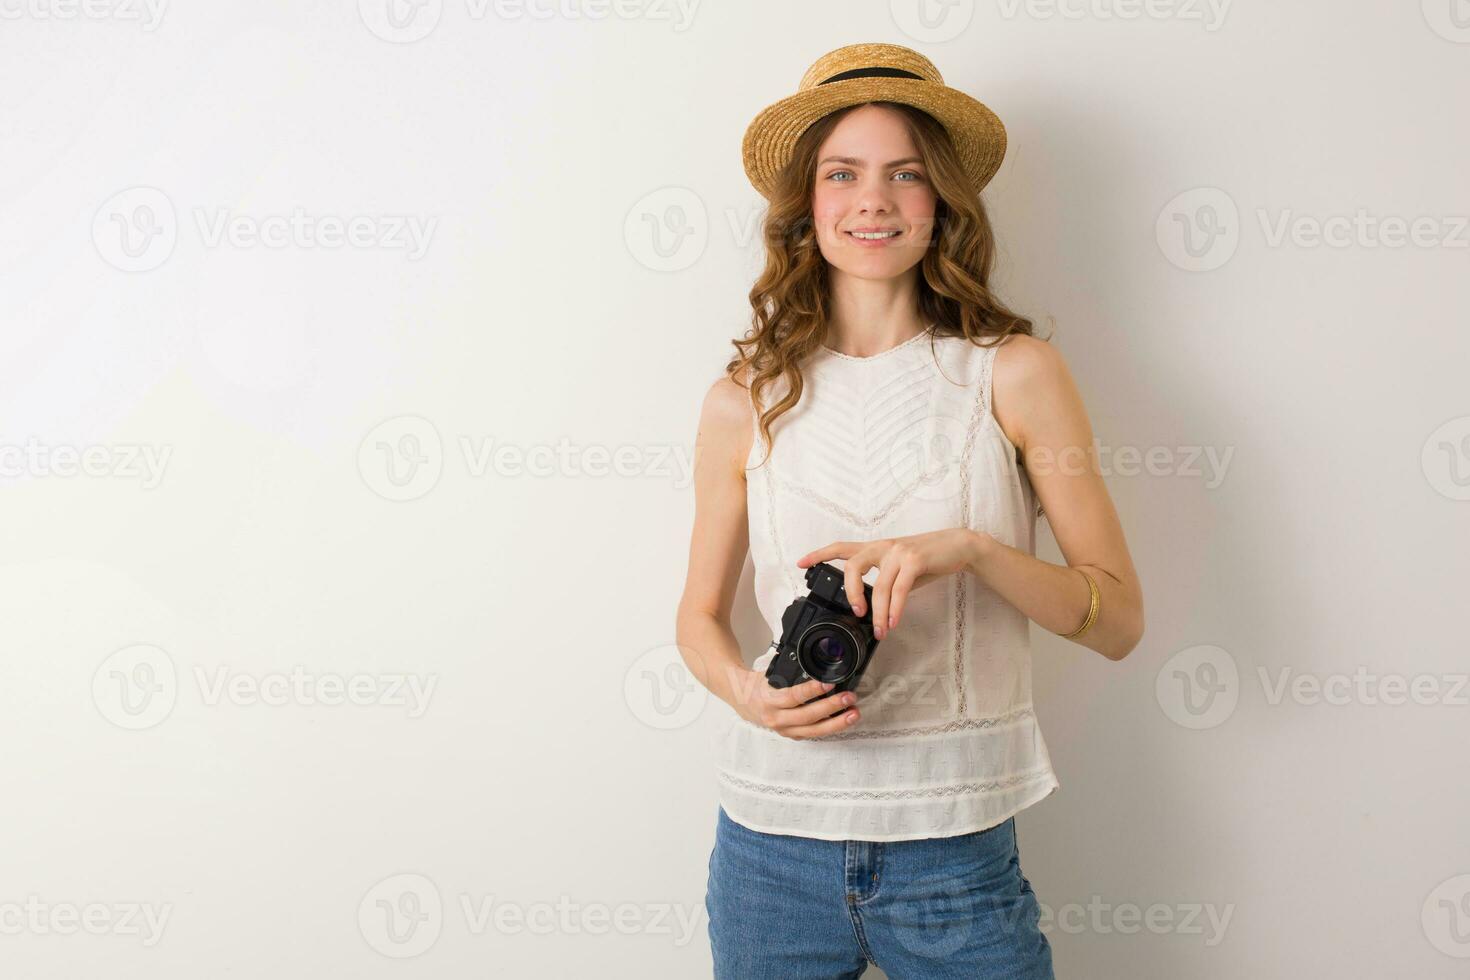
<point>871,73</point>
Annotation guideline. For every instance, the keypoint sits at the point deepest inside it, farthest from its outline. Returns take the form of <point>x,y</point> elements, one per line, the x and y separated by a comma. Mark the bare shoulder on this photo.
<point>725,422</point>
<point>1031,387</point>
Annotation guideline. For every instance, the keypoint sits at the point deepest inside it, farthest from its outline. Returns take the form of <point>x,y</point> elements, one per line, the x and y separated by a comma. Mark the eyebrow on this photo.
<point>855,162</point>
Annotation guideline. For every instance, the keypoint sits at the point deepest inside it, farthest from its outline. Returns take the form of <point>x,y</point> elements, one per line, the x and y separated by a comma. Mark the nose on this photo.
<point>873,198</point>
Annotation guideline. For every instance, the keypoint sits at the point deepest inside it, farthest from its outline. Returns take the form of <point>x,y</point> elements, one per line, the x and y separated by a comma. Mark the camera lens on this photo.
<point>828,653</point>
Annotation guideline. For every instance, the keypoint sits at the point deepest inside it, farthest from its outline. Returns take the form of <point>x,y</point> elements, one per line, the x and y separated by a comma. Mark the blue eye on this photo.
<point>915,174</point>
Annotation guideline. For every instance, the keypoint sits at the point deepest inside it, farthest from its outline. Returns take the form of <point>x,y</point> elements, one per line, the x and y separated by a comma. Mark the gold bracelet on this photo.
<point>1091,610</point>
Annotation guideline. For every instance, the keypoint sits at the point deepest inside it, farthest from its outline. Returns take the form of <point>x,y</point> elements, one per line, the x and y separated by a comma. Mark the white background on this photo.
<point>323,503</point>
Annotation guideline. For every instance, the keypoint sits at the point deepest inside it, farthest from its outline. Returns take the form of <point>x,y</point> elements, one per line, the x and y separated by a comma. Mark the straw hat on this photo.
<point>871,73</point>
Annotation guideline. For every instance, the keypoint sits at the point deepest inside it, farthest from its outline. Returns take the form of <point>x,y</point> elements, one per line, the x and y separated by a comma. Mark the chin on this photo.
<point>875,266</point>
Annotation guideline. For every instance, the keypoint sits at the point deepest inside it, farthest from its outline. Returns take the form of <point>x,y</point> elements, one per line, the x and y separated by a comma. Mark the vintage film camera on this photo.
<point>821,638</point>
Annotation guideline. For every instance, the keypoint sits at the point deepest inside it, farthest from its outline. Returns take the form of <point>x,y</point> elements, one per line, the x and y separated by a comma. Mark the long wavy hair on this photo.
<point>790,300</point>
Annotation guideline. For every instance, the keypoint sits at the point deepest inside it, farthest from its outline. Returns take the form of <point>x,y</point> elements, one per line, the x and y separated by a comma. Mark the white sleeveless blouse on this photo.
<point>948,742</point>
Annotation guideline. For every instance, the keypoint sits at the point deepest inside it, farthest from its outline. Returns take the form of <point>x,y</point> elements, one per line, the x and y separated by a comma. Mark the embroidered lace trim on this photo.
<point>957,725</point>
<point>1020,713</point>
<point>927,792</point>
<point>982,407</point>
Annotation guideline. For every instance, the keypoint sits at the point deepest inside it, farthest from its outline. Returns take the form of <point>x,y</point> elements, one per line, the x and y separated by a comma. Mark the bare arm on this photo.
<point>719,543</point>
<point>1039,408</point>
<point>717,551</point>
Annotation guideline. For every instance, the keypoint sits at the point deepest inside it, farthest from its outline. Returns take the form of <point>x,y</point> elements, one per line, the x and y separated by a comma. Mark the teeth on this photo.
<point>873,235</point>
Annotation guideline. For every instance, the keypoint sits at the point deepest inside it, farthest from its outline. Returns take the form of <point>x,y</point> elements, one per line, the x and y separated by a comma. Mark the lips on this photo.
<point>873,240</point>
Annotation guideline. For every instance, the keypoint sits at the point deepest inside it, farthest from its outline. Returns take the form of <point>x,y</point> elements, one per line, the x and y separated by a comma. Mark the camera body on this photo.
<point>821,638</point>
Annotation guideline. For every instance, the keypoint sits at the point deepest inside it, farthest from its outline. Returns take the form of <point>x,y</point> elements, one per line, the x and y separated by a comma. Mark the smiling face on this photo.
<point>870,178</point>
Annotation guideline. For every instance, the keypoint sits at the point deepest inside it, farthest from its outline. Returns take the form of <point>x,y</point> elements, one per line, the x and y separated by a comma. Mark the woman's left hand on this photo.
<point>903,564</point>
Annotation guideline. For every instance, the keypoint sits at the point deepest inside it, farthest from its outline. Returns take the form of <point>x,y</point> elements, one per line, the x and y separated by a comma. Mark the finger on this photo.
<point>887,574</point>
<point>810,714</point>
<point>834,724</point>
<point>901,588</point>
<point>837,549</point>
<point>852,578</point>
<point>791,697</point>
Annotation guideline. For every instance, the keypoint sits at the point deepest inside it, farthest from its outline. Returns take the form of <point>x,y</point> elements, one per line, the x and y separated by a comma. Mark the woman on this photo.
<point>887,414</point>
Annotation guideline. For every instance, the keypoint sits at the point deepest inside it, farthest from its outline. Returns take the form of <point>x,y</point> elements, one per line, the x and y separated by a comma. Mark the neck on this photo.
<point>870,316</point>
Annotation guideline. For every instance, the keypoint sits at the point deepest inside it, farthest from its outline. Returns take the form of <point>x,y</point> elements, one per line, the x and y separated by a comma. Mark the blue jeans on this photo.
<point>796,908</point>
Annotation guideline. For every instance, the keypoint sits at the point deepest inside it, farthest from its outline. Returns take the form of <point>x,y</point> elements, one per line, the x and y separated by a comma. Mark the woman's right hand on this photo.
<point>781,709</point>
